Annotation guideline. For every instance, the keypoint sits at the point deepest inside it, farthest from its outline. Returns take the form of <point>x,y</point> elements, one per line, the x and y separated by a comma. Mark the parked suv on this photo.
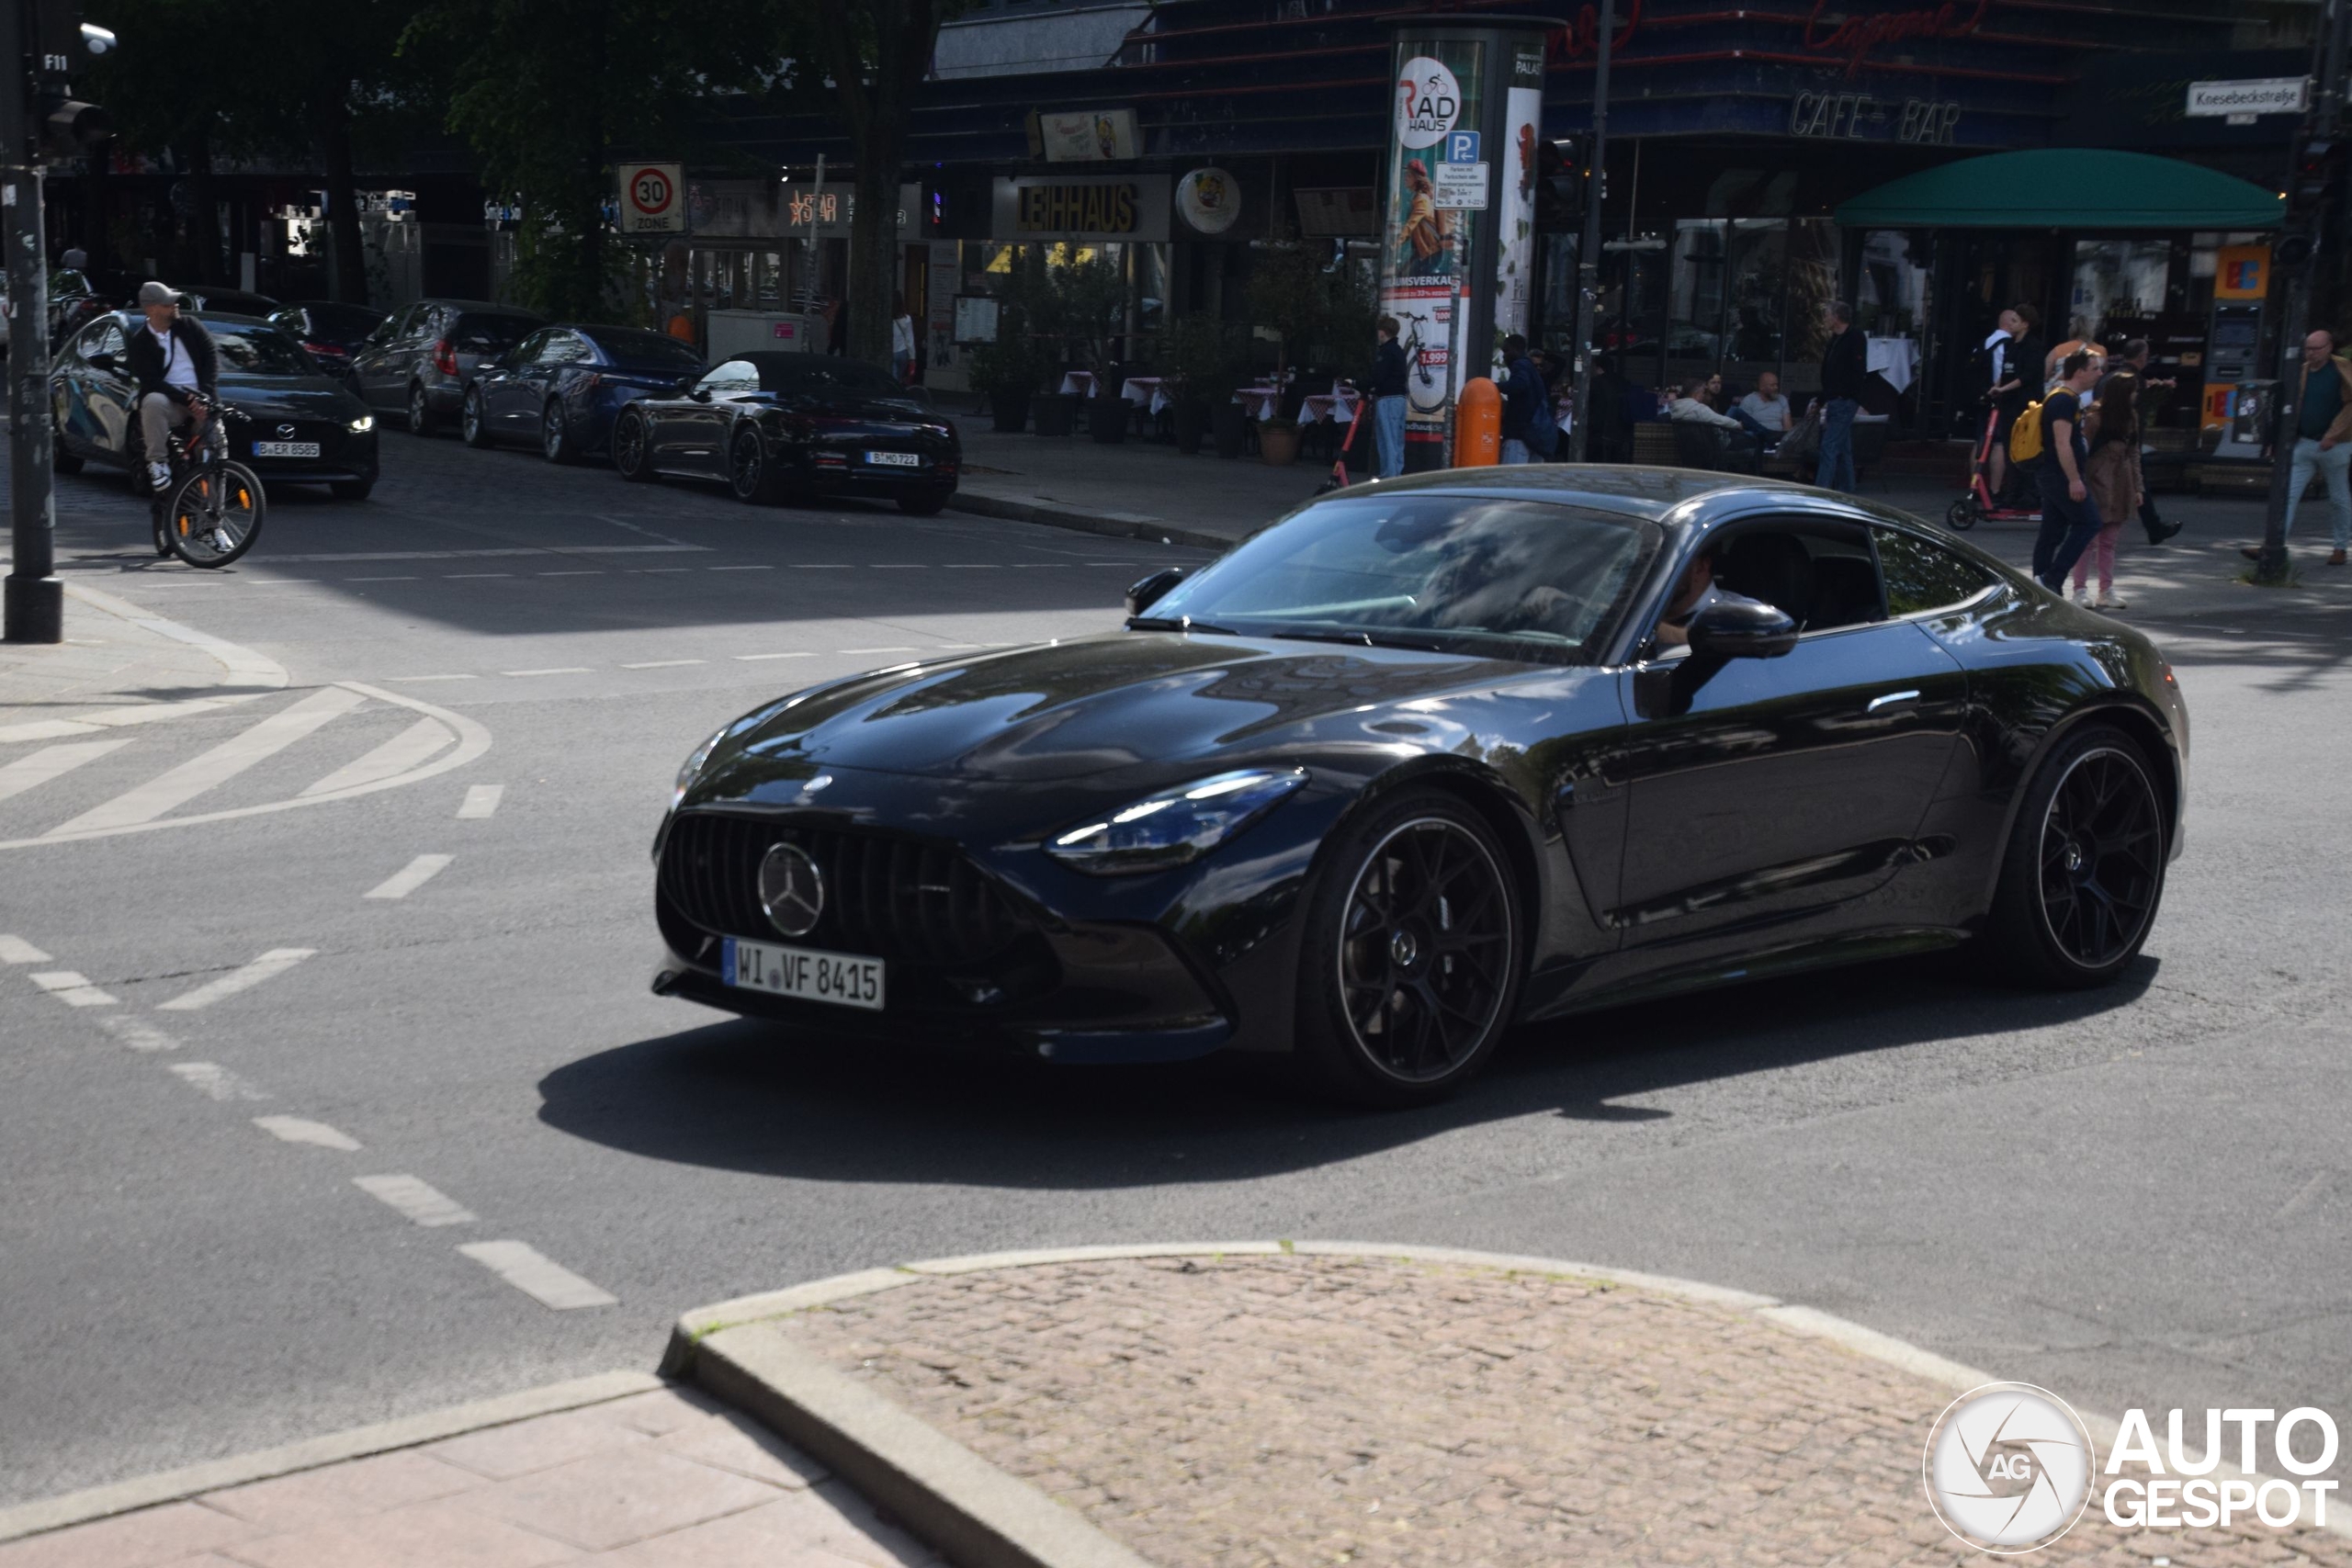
<point>421,360</point>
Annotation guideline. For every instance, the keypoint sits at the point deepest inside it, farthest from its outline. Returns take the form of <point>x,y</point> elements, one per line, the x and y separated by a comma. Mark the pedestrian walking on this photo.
<point>902,340</point>
<point>1523,406</point>
<point>2113,476</point>
<point>1388,368</point>
<point>1844,364</point>
<point>2323,439</point>
<point>2133,360</point>
<point>2015,354</point>
<point>2070,518</point>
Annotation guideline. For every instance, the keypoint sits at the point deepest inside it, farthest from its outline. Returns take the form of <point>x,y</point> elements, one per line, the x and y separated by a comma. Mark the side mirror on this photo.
<point>1143,593</point>
<point>1742,628</point>
<point>700,394</point>
<point>102,362</point>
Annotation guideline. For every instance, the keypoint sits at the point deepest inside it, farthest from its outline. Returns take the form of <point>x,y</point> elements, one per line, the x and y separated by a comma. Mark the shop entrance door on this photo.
<point>1996,269</point>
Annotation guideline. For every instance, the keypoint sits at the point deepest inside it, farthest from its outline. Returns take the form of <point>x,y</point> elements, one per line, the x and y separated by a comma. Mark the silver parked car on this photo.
<point>420,361</point>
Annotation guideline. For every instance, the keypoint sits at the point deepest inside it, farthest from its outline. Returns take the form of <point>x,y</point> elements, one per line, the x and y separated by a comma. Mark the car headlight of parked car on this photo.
<point>693,766</point>
<point>363,425</point>
<point>1176,825</point>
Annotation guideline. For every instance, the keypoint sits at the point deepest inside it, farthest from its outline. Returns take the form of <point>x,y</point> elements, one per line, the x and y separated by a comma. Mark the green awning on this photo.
<point>2065,188</point>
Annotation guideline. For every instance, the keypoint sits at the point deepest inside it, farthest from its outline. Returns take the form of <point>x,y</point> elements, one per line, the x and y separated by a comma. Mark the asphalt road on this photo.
<point>2135,1198</point>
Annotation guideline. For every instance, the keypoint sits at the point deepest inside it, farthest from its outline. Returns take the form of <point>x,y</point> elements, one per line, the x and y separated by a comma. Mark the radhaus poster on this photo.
<point>1429,246</point>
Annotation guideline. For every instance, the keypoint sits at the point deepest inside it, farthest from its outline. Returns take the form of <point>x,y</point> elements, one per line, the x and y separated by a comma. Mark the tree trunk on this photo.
<point>874,250</point>
<point>204,214</point>
<point>876,96</point>
<point>349,280</point>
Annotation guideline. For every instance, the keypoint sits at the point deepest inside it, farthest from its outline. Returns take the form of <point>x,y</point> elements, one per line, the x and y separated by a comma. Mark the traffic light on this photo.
<point>1563,177</point>
<point>2318,175</point>
<point>62,44</point>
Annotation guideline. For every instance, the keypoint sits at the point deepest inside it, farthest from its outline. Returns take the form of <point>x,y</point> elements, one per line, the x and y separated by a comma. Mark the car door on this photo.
<point>506,389</point>
<point>565,350</point>
<point>77,423</point>
<point>1768,790</point>
<point>382,382</point>
<point>107,390</point>
<point>692,432</point>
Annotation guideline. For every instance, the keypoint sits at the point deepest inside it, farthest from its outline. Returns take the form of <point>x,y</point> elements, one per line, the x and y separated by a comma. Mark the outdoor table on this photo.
<point>1145,392</point>
<point>1897,358</point>
<point>1258,402</point>
<point>1337,403</point>
<point>1078,383</point>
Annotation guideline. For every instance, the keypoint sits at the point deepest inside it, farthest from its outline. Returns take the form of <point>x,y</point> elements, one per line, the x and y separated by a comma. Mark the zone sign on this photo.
<point>653,198</point>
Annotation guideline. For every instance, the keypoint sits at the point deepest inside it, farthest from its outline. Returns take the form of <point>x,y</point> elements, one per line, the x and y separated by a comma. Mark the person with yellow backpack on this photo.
<point>2053,429</point>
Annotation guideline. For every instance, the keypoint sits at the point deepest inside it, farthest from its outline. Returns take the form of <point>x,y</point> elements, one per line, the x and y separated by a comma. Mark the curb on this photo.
<point>244,675</point>
<point>265,1464</point>
<point>1117,525</point>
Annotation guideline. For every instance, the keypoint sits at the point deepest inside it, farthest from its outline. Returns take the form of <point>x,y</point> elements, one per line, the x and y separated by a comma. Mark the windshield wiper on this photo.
<point>1178,624</point>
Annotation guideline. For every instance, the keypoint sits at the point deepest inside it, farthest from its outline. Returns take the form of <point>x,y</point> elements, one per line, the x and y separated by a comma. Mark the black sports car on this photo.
<point>1438,754</point>
<point>778,424</point>
<point>303,426</point>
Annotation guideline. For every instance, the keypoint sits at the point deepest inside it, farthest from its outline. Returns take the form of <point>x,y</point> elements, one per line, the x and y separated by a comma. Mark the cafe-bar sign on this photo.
<point>1080,208</point>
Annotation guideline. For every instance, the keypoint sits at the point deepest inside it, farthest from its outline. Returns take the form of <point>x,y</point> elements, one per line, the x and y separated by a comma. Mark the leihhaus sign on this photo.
<point>1107,208</point>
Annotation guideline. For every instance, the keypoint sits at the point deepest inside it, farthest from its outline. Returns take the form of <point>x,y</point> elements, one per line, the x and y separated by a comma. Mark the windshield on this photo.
<point>647,348</point>
<point>815,376</point>
<point>259,351</point>
<point>1517,579</point>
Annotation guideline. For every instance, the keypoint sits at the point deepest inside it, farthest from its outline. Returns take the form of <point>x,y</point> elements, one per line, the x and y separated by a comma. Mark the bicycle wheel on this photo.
<point>215,514</point>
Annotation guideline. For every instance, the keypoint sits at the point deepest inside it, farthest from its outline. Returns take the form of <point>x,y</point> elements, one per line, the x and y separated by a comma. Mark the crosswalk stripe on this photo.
<point>17,950</point>
<point>301,1130</point>
<point>419,1201</point>
<point>411,746</point>
<point>214,1079</point>
<point>70,988</point>
<point>50,761</point>
<point>409,877</point>
<point>233,756</point>
<point>276,961</point>
<point>480,801</point>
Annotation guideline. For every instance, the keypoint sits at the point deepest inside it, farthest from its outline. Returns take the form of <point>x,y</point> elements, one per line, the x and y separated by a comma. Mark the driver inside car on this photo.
<point>1695,593</point>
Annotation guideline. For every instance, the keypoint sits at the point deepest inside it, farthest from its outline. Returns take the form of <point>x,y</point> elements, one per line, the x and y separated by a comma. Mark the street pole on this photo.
<point>35,600</point>
<point>1589,245</point>
<point>2326,114</point>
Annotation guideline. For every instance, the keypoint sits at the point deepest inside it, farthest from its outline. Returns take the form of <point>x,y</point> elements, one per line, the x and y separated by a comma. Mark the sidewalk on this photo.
<point>120,665</point>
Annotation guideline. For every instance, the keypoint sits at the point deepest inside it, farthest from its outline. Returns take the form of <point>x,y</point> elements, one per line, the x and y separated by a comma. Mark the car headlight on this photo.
<point>693,766</point>
<point>363,425</point>
<point>1176,825</point>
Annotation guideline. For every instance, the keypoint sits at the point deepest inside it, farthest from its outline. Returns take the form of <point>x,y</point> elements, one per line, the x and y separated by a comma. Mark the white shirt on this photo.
<point>902,336</point>
<point>1999,343</point>
<point>1692,412</point>
<point>180,370</point>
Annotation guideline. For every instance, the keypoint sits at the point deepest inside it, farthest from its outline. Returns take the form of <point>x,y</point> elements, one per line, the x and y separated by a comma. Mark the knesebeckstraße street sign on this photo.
<point>653,198</point>
<point>2239,102</point>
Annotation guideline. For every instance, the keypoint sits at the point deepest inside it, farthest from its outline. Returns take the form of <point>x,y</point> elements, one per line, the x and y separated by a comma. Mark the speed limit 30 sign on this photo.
<point>653,198</point>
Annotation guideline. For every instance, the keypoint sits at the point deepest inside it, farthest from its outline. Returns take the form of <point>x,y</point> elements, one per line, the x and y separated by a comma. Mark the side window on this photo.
<point>529,351</point>
<point>730,380</point>
<point>1820,575</point>
<point>1921,576</point>
<point>107,339</point>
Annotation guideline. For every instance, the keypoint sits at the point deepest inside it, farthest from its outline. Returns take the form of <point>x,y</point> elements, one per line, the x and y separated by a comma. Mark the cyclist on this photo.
<point>176,368</point>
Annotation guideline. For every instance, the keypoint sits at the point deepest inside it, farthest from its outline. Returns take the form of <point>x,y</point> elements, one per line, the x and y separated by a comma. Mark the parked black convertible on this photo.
<point>779,424</point>
<point>1436,755</point>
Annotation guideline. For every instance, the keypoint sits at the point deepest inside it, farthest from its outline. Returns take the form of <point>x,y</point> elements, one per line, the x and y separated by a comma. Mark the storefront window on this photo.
<point>2118,278</point>
<point>1695,305</point>
<point>1812,283</point>
<point>1755,299</point>
<point>1891,299</point>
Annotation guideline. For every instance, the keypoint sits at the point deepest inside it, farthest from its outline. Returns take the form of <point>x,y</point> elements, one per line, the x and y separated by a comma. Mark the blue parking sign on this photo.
<point>1461,146</point>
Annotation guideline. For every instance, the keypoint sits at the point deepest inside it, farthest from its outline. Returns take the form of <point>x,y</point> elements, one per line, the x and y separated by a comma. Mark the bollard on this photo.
<point>1479,425</point>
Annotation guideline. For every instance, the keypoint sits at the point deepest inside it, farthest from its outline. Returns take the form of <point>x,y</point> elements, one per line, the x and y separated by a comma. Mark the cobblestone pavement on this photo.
<point>1295,1410</point>
<point>660,1480</point>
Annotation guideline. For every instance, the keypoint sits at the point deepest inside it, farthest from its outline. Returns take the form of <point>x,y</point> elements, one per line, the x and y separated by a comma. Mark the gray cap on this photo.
<point>153,293</point>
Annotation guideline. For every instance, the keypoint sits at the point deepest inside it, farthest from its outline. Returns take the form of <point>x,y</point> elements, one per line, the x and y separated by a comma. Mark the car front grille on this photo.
<point>900,899</point>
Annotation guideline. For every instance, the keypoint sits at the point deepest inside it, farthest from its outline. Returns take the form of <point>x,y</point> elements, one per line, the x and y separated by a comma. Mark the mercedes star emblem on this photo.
<point>791,890</point>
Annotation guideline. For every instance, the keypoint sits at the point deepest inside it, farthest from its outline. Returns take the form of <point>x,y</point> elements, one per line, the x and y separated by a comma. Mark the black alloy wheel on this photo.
<point>2086,866</point>
<point>420,413</point>
<point>473,428</point>
<point>1414,931</point>
<point>555,434</point>
<point>748,469</point>
<point>631,459</point>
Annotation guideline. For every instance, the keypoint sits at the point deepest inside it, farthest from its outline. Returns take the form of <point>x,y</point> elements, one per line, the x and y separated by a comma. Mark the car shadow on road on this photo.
<point>751,1096</point>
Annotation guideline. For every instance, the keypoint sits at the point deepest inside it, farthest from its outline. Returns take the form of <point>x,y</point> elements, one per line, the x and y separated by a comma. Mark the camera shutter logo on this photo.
<point>2008,1468</point>
<point>791,890</point>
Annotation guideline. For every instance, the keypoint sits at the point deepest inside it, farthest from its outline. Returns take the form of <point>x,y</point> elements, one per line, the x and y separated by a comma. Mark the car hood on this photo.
<point>291,397</point>
<point>1096,706</point>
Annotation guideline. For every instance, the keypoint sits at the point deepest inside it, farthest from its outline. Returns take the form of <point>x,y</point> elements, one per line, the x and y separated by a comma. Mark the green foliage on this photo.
<point>1069,306</point>
<point>1322,315</point>
<point>1203,356</point>
<point>1013,364</point>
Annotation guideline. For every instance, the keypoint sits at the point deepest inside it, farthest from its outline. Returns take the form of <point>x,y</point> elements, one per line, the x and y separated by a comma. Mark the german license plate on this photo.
<point>285,448</point>
<point>805,973</point>
<point>896,460</point>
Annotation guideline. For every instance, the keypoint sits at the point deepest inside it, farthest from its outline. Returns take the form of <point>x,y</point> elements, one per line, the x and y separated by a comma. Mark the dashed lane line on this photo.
<point>213,1079</point>
<point>270,964</point>
<point>418,1200</point>
<point>756,657</point>
<point>418,680</point>
<point>137,1033</point>
<point>456,576</point>
<point>880,651</point>
<point>17,950</point>
<point>301,1130</point>
<point>52,761</point>
<point>536,1275</point>
<point>178,786</point>
<point>480,801</point>
<point>409,877</point>
<point>72,988</point>
<point>557,669</point>
<point>760,568</point>
<point>664,663</point>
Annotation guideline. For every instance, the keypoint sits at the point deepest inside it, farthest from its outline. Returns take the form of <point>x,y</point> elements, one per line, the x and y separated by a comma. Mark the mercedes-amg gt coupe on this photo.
<point>1431,757</point>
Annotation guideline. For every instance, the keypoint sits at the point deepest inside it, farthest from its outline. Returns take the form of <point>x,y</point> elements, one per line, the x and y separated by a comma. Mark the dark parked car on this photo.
<point>563,386</point>
<point>1432,756</point>
<point>778,424</point>
<point>329,330</point>
<point>303,426</point>
<point>421,359</point>
<point>206,299</point>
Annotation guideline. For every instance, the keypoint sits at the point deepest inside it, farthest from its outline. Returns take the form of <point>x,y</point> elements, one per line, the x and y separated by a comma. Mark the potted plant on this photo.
<point>1289,296</point>
<point>1006,372</point>
<point>1202,365</point>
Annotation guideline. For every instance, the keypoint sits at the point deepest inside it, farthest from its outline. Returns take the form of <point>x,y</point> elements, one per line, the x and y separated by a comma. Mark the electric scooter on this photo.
<point>1980,503</point>
<point>1339,479</point>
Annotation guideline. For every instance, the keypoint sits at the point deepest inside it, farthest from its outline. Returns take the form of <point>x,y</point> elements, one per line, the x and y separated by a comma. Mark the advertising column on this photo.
<point>1467,108</point>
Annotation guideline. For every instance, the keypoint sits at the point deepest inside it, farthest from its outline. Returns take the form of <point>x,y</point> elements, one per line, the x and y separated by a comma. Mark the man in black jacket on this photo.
<point>1843,365</point>
<point>1388,371</point>
<point>172,359</point>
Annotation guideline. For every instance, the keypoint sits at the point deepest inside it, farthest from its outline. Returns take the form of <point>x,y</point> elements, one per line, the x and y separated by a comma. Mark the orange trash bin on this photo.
<point>1478,425</point>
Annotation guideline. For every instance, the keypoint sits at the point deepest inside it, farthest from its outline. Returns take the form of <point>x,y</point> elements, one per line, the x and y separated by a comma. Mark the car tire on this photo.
<point>1411,956</point>
<point>420,411</point>
<point>473,429</point>
<point>925,503</point>
<point>556,443</point>
<point>631,460</point>
<point>63,461</point>
<point>2083,870</point>
<point>351,490</point>
<point>751,475</point>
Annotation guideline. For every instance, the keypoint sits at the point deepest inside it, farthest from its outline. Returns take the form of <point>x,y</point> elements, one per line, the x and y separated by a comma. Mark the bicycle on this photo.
<point>209,510</point>
<point>1431,398</point>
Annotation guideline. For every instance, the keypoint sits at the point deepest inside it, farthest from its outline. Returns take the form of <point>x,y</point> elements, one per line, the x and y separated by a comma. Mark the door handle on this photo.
<point>1892,699</point>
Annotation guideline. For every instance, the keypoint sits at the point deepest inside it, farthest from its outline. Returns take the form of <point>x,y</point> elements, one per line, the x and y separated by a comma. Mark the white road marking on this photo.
<point>971,566</point>
<point>412,747</point>
<point>295,1130</point>
<point>461,576</point>
<point>411,877</point>
<point>664,663</point>
<point>50,762</point>
<point>338,556</point>
<point>762,568</point>
<point>480,801</point>
<point>215,1080</point>
<point>116,717</point>
<point>589,573</point>
<point>380,580</point>
<point>538,1276</point>
<point>137,1033</point>
<point>898,566</point>
<point>70,988</point>
<point>555,669</point>
<point>412,680</point>
<point>176,786</point>
<point>425,1204</point>
<point>276,961</point>
<point>754,657</point>
<point>875,650</point>
<point>17,950</point>
<point>657,571</point>
<point>634,528</point>
<point>824,566</point>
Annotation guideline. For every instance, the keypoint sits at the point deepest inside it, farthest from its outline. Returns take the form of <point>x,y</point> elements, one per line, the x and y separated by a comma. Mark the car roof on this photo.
<point>1646,493</point>
<point>483,307</point>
